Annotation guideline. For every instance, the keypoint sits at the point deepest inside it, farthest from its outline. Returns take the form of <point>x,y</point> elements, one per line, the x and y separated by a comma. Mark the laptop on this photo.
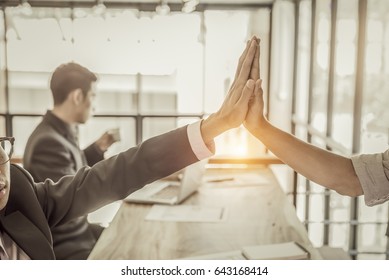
<point>171,192</point>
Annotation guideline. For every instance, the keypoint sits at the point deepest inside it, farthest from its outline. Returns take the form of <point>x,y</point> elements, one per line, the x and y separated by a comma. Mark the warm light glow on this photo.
<point>240,150</point>
<point>233,143</point>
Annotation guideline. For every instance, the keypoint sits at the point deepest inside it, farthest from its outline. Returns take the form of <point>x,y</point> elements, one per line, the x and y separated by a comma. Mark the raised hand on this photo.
<point>105,141</point>
<point>255,115</point>
<point>255,73</point>
<point>336,172</point>
<point>235,107</point>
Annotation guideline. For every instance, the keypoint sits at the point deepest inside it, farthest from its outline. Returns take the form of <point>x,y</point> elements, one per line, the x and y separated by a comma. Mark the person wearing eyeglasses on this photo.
<point>29,210</point>
<point>7,143</point>
<point>52,151</point>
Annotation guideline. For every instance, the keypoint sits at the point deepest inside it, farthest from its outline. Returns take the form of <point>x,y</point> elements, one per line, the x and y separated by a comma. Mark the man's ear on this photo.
<point>76,96</point>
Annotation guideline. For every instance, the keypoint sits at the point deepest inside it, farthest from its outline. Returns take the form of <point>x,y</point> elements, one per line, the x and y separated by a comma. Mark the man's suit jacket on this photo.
<point>52,151</point>
<point>34,208</point>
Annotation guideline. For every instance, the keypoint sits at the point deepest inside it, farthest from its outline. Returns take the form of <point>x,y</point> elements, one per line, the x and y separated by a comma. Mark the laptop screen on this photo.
<point>192,178</point>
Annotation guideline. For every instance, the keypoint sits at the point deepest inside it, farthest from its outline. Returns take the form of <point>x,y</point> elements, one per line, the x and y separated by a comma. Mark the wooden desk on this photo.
<point>256,215</point>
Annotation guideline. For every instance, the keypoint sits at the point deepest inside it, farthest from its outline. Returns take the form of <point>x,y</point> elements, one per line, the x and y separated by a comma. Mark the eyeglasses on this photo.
<point>7,143</point>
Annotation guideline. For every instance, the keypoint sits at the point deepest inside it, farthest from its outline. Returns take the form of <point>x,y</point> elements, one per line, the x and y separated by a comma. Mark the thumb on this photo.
<point>256,107</point>
<point>247,92</point>
<point>258,93</point>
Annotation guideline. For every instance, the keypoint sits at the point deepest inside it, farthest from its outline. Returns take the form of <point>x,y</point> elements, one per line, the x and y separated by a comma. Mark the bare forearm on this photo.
<point>321,166</point>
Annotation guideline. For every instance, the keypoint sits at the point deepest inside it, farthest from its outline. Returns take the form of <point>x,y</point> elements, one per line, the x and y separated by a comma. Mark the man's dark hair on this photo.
<point>68,77</point>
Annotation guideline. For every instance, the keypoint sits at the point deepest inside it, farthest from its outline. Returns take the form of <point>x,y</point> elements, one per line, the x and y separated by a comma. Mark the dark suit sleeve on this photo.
<point>115,178</point>
<point>93,154</point>
<point>50,160</point>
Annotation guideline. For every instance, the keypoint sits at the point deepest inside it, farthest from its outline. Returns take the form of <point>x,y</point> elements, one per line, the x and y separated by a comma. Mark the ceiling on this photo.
<point>123,2</point>
<point>156,1</point>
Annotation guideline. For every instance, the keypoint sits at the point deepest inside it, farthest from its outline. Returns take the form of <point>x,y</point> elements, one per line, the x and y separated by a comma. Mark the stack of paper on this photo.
<point>277,251</point>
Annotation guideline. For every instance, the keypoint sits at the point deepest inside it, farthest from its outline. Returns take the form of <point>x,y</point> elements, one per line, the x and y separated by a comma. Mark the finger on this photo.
<point>255,71</point>
<point>258,93</point>
<point>242,58</point>
<point>240,62</point>
<point>246,66</point>
<point>259,57</point>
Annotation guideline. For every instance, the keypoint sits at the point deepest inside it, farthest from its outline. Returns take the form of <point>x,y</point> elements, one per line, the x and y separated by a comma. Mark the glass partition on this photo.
<point>321,57</point>
<point>147,64</point>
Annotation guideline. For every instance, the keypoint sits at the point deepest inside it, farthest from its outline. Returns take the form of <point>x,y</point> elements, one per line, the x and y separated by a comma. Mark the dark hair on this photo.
<point>68,77</point>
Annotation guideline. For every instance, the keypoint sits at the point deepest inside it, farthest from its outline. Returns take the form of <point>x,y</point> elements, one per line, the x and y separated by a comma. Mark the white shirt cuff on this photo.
<point>200,149</point>
<point>372,171</point>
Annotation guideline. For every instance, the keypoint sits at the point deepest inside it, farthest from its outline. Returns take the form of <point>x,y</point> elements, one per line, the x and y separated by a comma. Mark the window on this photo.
<point>327,114</point>
<point>153,71</point>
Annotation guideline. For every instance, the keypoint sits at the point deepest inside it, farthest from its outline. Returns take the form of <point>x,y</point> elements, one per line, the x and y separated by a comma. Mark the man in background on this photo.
<point>52,151</point>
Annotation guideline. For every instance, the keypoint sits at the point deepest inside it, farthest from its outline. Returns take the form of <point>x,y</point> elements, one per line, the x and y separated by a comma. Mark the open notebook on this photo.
<point>170,192</point>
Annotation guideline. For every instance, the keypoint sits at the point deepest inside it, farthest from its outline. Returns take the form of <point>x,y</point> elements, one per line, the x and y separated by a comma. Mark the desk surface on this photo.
<point>256,215</point>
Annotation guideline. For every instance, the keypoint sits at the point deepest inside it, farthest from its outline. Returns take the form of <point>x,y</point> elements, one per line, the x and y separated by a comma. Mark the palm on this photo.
<point>235,106</point>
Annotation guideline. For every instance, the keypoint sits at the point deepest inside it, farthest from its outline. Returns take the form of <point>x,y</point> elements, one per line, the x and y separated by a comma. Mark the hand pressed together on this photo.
<point>236,105</point>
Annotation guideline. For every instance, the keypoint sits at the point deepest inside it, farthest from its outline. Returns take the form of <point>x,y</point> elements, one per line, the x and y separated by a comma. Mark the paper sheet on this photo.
<point>230,255</point>
<point>276,251</point>
<point>186,213</point>
<point>237,180</point>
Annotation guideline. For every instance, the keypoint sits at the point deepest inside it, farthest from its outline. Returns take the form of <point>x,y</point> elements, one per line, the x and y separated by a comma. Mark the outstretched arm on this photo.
<point>318,165</point>
<point>323,167</point>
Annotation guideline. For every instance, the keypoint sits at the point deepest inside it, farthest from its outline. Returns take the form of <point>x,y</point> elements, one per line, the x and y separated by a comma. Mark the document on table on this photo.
<point>276,251</point>
<point>237,180</point>
<point>186,213</point>
<point>229,255</point>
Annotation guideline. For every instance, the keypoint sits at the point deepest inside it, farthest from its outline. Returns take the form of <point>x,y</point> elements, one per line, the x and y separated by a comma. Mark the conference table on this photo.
<point>257,212</point>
